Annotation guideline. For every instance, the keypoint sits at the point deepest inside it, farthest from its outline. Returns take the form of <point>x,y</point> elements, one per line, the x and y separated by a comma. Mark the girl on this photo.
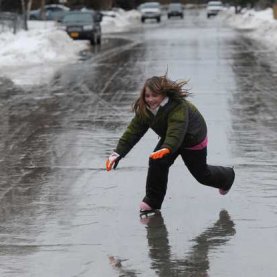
<point>162,106</point>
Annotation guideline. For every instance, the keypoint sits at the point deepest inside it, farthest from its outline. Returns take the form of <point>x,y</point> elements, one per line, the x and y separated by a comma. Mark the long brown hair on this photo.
<point>160,85</point>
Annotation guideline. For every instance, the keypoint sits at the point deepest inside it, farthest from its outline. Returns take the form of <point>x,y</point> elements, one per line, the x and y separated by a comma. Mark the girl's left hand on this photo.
<point>159,154</point>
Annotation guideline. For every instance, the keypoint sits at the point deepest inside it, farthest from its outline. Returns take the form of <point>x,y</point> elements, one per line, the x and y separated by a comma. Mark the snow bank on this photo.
<point>38,46</point>
<point>119,20</point>
<point>31,57</point>
<point>45,43</point>
<point>260,25</point>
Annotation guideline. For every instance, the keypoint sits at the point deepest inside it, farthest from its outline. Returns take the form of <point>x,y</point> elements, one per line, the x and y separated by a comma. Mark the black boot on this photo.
<point>231,177</point>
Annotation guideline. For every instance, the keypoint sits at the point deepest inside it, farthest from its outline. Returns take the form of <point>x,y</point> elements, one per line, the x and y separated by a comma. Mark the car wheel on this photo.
<point>92,41</point>
<point>142,20</point>
<point>158,19</point>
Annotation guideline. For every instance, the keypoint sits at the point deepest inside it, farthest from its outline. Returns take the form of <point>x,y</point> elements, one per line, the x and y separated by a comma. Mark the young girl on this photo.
<point>162,106</point>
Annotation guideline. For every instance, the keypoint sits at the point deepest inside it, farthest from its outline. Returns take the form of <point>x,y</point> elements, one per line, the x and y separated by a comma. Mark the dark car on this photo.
<point>175,9</point>
<point>52,12</point>
<point>83,25</point>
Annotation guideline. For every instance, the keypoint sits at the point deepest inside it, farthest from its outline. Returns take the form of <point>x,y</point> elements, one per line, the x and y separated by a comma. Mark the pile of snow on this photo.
<point>44,42</point>
<point>32,57</point>
<point>259,25</point>
<point>37,46</point>
<point>119,20</point>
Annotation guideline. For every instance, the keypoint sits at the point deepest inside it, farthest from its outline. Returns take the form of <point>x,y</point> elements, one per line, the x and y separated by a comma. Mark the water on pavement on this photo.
<point>62,214</point>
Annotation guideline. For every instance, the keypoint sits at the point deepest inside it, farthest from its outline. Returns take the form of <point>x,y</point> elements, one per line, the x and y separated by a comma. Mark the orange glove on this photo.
<point>160,153</point>
<point>112,161</point>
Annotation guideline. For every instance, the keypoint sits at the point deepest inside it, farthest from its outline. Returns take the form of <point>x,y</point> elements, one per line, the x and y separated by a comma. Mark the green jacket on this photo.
<point>178,123</point>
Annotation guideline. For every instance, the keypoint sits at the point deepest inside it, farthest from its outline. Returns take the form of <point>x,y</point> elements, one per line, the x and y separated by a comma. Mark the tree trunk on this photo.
<point>24,13</point>
<point>42,10</point>
<point>29,6</point>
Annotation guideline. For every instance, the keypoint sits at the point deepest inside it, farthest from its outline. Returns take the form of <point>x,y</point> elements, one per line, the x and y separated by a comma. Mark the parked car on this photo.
<point>175,9</point>
<point>213,8</point>
<point>150,10</point>
<point>52,12</point>
<point>83,25</point>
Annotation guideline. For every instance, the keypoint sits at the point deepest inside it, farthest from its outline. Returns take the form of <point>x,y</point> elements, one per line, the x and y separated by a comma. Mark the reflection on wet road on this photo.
<point>255,116</point>
<point>196,261</point>
<point>63,215</point>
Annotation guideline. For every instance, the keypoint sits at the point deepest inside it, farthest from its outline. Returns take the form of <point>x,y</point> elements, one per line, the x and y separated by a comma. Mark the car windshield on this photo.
<point>212,4</point>
<point>78,17</point>
<point>175,7</point>
<point>151,5</point>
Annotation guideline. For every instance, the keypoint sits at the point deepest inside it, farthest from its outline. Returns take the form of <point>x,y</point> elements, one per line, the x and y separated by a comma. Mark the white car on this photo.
<point>52,12</point>
<point>214,7</point>
<point>151,10</point>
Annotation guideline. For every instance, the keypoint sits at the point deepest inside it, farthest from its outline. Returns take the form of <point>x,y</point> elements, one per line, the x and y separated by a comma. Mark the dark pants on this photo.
<point>196,161</point>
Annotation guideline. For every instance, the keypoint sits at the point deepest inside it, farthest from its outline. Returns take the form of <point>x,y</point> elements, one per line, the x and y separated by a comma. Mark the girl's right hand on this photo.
<point>159,154</point>
<point>112,161</point>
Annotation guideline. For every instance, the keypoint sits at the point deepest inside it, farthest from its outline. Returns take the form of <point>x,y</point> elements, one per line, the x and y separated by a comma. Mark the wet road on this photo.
<point>63,215</point>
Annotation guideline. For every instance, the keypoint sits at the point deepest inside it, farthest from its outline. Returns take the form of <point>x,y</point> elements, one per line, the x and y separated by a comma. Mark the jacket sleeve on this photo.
<point>177,124</point>
<point>134,132</point>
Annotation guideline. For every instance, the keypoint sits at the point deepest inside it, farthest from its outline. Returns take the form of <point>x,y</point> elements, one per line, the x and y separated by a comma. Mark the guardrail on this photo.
<point>11,22</point>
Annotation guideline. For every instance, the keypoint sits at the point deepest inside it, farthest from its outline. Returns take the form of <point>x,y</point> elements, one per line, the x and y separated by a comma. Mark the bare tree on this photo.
<point>26,7</point>
<point>29,6</point>
<point>42,9</point>
<point>24,12</point>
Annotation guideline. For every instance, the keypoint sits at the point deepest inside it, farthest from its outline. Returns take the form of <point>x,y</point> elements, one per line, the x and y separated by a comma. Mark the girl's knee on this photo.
<point>202,178</point>
<point>160,163</point>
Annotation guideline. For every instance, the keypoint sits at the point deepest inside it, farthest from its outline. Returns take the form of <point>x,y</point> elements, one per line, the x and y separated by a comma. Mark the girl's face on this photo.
<point>152,99</point>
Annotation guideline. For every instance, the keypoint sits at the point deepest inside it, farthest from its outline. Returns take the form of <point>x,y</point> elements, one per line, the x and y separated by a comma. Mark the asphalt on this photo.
<point>62,214</point>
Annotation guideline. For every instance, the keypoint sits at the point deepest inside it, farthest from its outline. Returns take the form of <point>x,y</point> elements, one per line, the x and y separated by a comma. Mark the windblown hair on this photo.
<point>160,85</point>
